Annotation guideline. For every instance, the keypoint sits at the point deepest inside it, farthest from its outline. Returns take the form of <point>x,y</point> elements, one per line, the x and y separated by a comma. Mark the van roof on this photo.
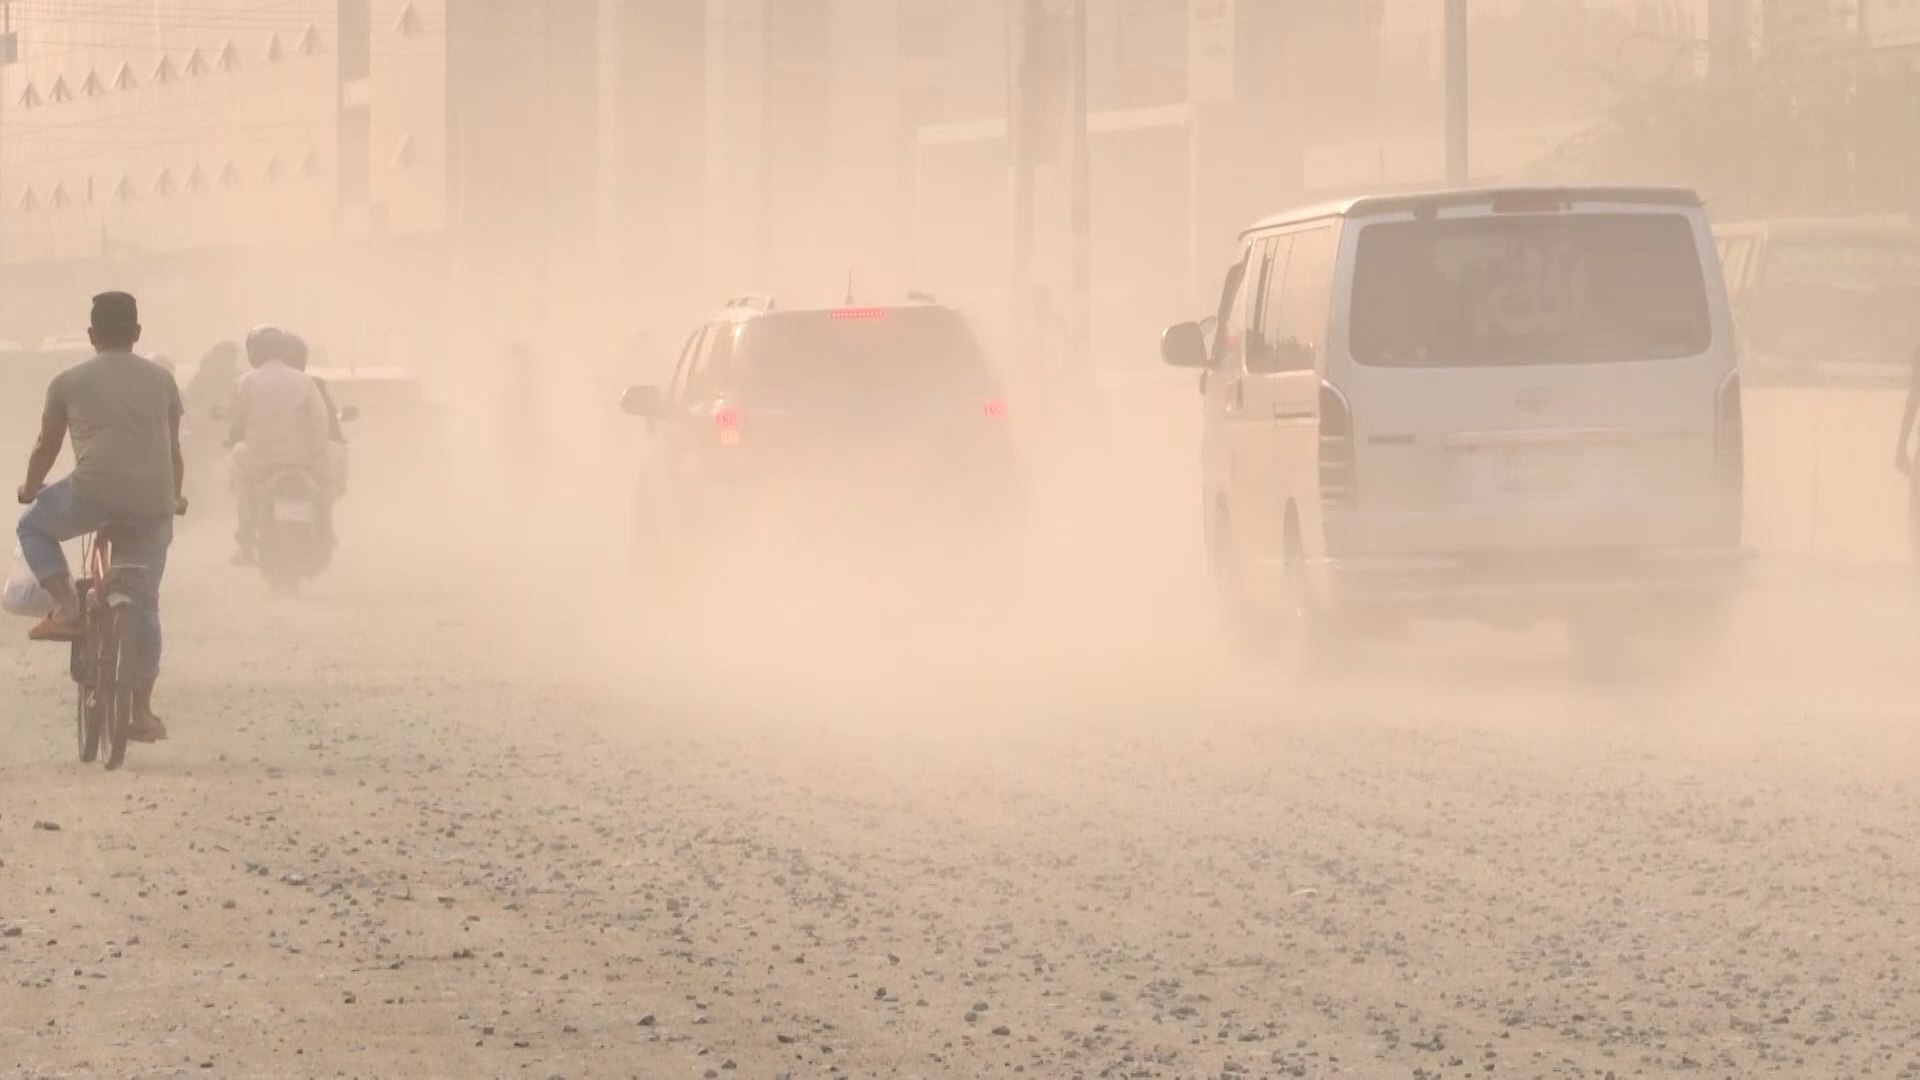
<point>1369,205</point>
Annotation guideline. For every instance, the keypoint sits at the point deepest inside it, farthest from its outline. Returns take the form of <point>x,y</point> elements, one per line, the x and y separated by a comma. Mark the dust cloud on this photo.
<point>485,796</point>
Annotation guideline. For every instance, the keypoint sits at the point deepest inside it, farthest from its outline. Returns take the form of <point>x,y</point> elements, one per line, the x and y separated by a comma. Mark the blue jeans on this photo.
<point>58,516</point>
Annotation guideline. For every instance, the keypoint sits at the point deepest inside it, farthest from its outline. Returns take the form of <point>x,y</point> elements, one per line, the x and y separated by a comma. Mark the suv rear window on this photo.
<point>861,356</point>
<point>1529,290</point>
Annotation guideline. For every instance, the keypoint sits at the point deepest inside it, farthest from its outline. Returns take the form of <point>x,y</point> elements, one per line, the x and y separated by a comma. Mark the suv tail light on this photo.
<point>1339,482</point>
<point>1729,436</point>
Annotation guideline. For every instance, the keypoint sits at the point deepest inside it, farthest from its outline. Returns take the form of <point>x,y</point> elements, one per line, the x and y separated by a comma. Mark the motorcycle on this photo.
<point>293,538</point>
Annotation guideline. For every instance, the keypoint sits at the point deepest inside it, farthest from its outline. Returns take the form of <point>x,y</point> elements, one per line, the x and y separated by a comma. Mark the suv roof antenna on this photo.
<point>850,300</point>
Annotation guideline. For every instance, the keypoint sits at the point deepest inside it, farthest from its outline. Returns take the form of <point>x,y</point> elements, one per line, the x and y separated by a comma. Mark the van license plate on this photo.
<point>1536,472</point>
<point>292,512</point>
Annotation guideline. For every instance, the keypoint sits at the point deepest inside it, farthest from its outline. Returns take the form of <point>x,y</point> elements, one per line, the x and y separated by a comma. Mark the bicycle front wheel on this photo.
<point>89,721</point>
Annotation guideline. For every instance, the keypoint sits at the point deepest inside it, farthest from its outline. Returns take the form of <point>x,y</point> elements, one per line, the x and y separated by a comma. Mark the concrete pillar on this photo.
<point>737,177</point>
<point>799,139</point>
<point>653,138</point>
<point>872,223</point>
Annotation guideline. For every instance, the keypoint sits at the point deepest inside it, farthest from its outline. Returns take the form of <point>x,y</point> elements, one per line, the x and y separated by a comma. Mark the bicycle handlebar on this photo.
<point>26,499</point>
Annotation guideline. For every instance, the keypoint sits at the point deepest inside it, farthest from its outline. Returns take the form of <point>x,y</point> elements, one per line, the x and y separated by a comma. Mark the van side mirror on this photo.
<point>641,401</point>
<point>1184,345</point>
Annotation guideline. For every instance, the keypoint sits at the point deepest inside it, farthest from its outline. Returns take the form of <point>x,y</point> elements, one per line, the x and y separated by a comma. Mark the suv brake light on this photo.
<point>726,420</point>
<point>1529,202</point>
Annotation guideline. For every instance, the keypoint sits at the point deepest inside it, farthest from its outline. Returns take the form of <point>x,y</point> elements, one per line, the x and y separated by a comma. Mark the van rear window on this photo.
<point>1529,290</point>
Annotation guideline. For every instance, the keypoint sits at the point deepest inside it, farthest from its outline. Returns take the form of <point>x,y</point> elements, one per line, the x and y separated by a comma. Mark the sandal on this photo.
<point>147,730</point>
<point>51,629</point>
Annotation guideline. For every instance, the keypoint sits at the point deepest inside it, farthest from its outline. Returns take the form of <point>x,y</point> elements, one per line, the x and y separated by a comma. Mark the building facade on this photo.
<point>189,147</point>
<point>180,130</point>
<point>526,163</point>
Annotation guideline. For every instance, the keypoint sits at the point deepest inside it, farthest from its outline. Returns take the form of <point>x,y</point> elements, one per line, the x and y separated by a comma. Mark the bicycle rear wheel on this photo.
<point>120,656</point>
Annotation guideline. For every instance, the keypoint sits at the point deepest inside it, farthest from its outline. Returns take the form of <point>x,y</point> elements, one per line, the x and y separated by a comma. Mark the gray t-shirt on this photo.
<point>120,410</point>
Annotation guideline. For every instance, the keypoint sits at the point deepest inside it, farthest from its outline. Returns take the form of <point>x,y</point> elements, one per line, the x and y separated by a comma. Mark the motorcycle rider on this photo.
<point>212,384</point>
<point>278,421</point>
<point>335,478</point>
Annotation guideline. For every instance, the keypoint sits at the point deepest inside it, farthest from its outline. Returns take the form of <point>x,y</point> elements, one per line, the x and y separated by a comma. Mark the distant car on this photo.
<point>75,344</point>
<point>25,372</point>
<point>396,434</point>
<point>392,391</point>
<point>1506,406</point>
<point>879,430</point>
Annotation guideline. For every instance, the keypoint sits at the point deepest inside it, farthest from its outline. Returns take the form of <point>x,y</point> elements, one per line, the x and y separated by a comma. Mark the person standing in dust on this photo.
<point>525,450</point>
<point>1903,456</point>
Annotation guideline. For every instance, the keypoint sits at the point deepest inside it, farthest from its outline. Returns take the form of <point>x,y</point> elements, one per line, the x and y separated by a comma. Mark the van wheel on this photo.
<point>1252,632</point>
<point>1315,645</point>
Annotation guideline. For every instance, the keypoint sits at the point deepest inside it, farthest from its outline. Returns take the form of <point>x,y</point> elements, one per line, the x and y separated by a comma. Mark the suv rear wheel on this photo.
<point>1291,633</point>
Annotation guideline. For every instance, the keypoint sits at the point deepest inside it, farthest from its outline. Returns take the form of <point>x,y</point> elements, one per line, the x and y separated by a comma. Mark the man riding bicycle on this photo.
<point>123,413</point>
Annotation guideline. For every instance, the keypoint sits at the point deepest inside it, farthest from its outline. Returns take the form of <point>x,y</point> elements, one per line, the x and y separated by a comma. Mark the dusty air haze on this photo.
<point>475,802</point>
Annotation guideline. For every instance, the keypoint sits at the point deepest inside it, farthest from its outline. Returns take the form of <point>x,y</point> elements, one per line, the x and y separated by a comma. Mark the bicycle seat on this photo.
<point>125,584</point>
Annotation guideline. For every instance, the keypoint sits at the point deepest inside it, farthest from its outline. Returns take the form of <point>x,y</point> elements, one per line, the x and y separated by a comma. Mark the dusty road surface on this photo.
<point>438,819</point>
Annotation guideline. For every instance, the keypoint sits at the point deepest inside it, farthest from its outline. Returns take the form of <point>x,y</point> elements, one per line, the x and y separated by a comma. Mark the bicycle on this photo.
<point>105,659</point>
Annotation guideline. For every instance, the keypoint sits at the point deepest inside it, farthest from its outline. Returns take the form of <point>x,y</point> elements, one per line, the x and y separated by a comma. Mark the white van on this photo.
<point>1508,406</point>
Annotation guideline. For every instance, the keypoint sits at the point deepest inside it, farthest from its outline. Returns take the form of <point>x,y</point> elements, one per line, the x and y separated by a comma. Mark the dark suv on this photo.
<point>864,432</point>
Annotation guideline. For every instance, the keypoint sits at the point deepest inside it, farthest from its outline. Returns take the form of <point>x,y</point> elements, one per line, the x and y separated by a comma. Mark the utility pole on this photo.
<point>1458,174</point>
<point>1023,20</point>
<point>1080,326</point>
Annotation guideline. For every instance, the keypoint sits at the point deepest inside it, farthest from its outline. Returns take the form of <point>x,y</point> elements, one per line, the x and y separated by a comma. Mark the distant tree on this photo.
<point>1805,129</point>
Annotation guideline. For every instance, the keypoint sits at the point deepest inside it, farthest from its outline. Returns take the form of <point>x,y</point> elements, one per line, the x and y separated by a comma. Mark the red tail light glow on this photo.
<point>996,409</point>
<point>727,418</point>
<point>858,313</point>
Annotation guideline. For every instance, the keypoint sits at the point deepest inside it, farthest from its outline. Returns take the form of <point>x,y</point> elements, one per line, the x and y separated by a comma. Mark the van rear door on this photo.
<point>1543,374</point>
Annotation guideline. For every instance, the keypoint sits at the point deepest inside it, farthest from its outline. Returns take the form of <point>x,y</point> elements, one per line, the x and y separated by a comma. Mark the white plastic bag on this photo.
<point>24,595</point>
